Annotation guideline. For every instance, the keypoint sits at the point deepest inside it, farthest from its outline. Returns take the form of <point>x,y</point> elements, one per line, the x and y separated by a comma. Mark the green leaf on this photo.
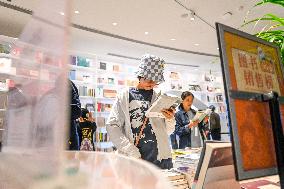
<point>277,2</point>
<point>267,17</point>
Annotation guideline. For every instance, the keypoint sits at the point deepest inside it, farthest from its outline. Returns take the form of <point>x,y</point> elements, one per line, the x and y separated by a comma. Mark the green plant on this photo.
<point>273,31</point>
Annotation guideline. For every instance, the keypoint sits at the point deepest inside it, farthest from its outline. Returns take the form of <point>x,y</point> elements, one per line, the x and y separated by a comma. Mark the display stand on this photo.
<point>277,129</point>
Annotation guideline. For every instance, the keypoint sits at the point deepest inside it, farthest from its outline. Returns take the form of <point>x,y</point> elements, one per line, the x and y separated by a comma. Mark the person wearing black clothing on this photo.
<point>75,114</point>
<point>183,124</point>
<point>87,128</point>
<point>215,126</point>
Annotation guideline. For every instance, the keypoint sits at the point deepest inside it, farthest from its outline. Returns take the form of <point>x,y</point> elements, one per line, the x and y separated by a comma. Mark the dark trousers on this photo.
<point>185,141</point>
<point>216,134</point>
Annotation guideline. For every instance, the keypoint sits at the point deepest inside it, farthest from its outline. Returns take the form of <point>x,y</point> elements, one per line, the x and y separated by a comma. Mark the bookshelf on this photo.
<point>98,81</point>
<point>205,85</point>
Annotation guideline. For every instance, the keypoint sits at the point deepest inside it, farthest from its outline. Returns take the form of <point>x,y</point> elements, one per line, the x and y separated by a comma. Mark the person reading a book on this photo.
<point>183,118</point>
<point>129,129</point>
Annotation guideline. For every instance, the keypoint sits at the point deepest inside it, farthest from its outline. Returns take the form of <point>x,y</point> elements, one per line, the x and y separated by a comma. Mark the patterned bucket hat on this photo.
<point>151,68</point>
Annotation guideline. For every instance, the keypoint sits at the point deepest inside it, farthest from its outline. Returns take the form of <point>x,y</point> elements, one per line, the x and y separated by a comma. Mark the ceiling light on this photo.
<point>217,48</point>
<point>173,39</point>
<point>76,12</point>
<point>114,23</point>
<point>185,15</point>
<point>62,13</point>
<point>146,33</point>
<point>227,15</point>
<point>196,44</point>
<point>192,15</point>
<point>195,69</point>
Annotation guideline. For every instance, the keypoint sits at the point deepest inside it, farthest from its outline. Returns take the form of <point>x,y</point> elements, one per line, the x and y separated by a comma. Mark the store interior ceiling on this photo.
<point>181,31</point>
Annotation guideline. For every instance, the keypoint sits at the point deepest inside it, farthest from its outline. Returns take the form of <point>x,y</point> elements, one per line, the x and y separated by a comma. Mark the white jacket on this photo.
<point>120,133</point>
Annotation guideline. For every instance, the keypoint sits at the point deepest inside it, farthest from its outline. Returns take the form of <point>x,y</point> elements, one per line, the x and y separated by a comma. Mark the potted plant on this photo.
<point>273,32</point>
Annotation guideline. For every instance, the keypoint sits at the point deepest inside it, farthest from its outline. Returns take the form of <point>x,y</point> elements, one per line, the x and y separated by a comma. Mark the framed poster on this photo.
<point>252,66</point>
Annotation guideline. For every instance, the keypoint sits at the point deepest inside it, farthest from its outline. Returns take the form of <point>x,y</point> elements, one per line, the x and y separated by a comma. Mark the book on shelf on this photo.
<point>84,62</point>
<point>115,68</point>
<point>174,75</point>
<point>90,107</point>
<point>99,92</point>
<point>72,74</point>
<point>101,121</point>
<point>102,107</point>
<point>73,60</point>
<point>194,87</point>
<point>108,93</point>
<point>110,80</point>
<point>101,137</point>
<point>103,66</point>
<point>101,80</point>
<point>163,102</point>
<point>120,82</point>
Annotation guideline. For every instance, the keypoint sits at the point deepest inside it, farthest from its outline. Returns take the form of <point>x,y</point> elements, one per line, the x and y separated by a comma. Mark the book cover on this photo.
<point>116,68</point>
<point>108,93</point>
<point>215,164</point>
<point>103,65</point>
<point>73,60</point>
<point>72,74</point>
<point>163,102</point>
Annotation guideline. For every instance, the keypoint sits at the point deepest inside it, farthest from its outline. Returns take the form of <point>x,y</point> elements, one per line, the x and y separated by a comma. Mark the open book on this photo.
<point>163,102</point>
<point>200,115</point>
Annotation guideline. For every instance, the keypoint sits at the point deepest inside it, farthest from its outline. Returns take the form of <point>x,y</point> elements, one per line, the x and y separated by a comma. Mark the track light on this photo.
<point>192,15</point>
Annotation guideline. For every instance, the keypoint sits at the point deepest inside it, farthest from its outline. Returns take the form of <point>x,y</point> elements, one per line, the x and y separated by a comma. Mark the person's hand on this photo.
<point>193,124</point>
<point>168,113</point>
<point>91,118</point>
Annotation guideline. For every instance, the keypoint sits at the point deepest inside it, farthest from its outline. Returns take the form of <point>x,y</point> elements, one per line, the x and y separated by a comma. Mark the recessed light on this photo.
<point>196,44</point>
<point>217,48</point>
<point>146,33</point>
<point>15,38</point>
<point>192,18</point>
<point>76,12</point>
<point>173,39</point>
<point>62,13</point>
<point>195,69</point>
<point>114,23</point>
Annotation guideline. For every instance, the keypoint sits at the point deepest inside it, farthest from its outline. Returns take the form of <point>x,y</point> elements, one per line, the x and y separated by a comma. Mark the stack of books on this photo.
<point>178,180</point>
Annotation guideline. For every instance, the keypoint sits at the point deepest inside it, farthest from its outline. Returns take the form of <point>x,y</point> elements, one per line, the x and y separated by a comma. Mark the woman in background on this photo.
<point>183,118</point>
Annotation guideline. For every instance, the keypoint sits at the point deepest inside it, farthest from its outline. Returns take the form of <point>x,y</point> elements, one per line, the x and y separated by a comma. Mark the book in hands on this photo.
<point>200,115</point>
<point>163,102</point>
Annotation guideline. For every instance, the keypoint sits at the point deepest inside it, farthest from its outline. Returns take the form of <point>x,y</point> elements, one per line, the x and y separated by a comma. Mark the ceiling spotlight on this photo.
<point>173,39</point>
<point>76,12</point>
<point>196,44</point>
<point>192,15</point>
<point>217,48</point>
<point>146,33</point>
<point>114,23</point>
<point>62,13</point>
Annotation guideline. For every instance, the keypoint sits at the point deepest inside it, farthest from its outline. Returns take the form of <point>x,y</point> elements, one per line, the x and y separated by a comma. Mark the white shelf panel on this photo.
<point>82,82</point>
<point>82,68</point>
<point>87,97</point>
<point>109,72</point>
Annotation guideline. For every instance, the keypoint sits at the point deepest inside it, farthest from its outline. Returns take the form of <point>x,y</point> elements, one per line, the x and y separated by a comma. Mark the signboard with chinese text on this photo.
<point>253,66</point>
